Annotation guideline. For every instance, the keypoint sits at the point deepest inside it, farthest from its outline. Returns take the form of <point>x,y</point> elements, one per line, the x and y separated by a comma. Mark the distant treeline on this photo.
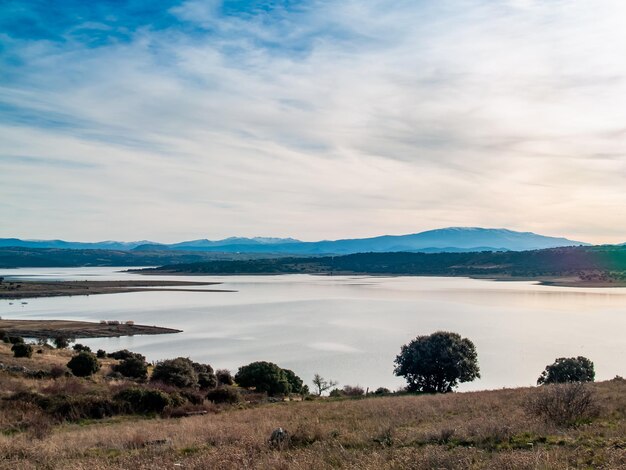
<point>586,262</point>
<point>17,257</point>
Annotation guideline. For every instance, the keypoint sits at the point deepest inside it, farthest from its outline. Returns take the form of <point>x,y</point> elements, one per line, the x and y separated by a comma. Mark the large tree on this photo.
<point>264,377</point>
<point>437,363</point>
<point>568,369</point>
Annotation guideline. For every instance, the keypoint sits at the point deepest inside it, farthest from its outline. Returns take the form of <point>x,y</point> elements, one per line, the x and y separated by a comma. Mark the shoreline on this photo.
<point>548,281</point>
<point>15,289</point>
<point>40,329</point>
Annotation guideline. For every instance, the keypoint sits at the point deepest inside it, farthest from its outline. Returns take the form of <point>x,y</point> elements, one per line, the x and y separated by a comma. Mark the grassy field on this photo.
<point>478,430</point>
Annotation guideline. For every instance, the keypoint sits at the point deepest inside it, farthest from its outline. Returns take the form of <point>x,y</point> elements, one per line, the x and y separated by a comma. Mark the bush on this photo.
<point>61,342</point>
<point>124,354</point>
<point>133,367</point>
<point>16,339</point>
<point>206,376</point>
<point>265,377</point>
<point>335,393</point>
<point>353,391</point>
<point>224,395</point>
<point>563,404</point>
<point>382,391</point>
<point>57,372</point>
<point>437,363</point>
<point>22,350</point>
<point>80,347</point>
<point>178,372</point>
<point>568,369</point>
<point>4,337</point>
<point>224,377</point>
<point>140,400</point>
<point>84,364</point>
<point>101,354</point>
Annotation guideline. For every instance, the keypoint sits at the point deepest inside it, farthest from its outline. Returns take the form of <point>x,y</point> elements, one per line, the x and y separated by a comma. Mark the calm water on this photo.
<point>350,328</point>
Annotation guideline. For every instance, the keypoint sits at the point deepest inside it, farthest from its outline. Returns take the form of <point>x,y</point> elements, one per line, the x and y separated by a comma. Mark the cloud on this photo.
<point>317,120</point>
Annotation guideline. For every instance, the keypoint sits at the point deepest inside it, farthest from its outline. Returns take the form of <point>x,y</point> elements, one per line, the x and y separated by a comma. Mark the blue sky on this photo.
<point>176,120</point>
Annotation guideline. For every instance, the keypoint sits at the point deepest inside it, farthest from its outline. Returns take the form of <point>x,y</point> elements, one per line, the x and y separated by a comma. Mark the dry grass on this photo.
<point>480,430</point>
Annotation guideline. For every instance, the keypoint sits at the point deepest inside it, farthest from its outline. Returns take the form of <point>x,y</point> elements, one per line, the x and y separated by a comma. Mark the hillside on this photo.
<point>453,239</point>
<point>478,430</point>
<point>587,263</point>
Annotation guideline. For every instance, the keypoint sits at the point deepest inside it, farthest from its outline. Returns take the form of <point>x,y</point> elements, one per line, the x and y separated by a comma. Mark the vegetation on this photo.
<point>321,385</point>
<point>179,372</point>
<point>84,364</point>
<point>267,377</point>
<point>437,363</point>
<point>580,426</point>
<point>22,350</point>
<point>568,369</point>
<point>593,264</point>
<point>134,367</point>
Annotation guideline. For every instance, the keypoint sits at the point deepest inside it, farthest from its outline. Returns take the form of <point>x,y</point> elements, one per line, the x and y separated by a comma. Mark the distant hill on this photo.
<point>589,263</point>
<point>454,239</point>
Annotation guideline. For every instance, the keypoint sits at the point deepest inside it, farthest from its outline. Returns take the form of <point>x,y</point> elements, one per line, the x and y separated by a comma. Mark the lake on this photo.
<point>350,328</point>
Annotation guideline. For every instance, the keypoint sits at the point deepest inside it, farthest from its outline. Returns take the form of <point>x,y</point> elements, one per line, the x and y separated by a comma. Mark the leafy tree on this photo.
<point>134,367</point>
<point>22,350</point>
<point>84,364</point>
<point>81,347</point>
<point>295,383</point>
<point>437,363</point>
<point>264,377</point>
<point>568,369</point>
<point>224,377</point>
<point>206,376</point>
<point>178,372</point>
<point>124,354</point>
<point>61,342</point>
<point>101,354</point>
<point>321,384</point>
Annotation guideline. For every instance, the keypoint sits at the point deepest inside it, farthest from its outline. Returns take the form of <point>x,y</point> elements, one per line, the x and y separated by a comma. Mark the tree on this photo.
<point>224,377</point>
<point>568,369</point>
<point>264,377</point>
<point>206,376</point>
<point>295,383</point>
<point>22,350</point>
<point>61,342</point>
<point>178,372</point>
<point>321,384</point>
<point>437,363</point>
<point>84,364</point>
<point>134,367</point>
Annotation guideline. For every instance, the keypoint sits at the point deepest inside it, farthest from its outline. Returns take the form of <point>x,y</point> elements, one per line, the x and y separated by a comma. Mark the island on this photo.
<point>43,329</point>
<point>15,288</point>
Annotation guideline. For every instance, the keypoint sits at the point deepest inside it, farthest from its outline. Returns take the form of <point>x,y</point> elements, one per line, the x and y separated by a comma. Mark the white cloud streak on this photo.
<point>341,119</point>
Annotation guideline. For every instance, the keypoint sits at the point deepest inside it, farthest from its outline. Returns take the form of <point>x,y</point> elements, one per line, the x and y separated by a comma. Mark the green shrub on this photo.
<point>81,347</point>
<point>206,376</point>
<point>141,400</point>
<point>133,367</point>
<point>178,372</point>
<point>22,350</point>
<point>84,364</point>
<point>61,342</point>
<point>101,354</point>
<point>382,391</point>
<point>353,391</point>
<point>568,369</point>
<point>264,377</point>
<point>224,377</point>
<point>16,339</point>
<point>224,395</point>
<point>124,354</point>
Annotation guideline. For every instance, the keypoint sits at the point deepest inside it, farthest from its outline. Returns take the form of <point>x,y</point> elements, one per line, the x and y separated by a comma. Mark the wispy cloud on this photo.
<point>313,119</point>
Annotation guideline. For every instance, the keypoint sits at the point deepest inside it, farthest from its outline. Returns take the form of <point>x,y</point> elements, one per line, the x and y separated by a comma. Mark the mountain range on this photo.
<point>452,239</point>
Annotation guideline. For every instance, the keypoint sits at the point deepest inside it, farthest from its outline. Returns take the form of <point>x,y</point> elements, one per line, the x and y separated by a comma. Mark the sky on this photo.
<point>177,120</point>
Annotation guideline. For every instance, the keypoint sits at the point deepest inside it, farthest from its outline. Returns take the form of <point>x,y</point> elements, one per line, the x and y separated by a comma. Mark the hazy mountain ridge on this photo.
<point>452,239</point>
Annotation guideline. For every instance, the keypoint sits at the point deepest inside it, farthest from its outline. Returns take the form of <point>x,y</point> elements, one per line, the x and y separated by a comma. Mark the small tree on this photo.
<point>84,364</point>
<point>178,372</point>
<point>437,363</point>
<point>22,350</point>
<point>81,347</point>
<point>224,377</point>
<point>568,369</point>
<point>264,377</point>
<point>321,384</point>
<point>61,342</point>
<point>295,383</point>
<point>101,354</point>
<point>134,367</point>
<point>206,376</point>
